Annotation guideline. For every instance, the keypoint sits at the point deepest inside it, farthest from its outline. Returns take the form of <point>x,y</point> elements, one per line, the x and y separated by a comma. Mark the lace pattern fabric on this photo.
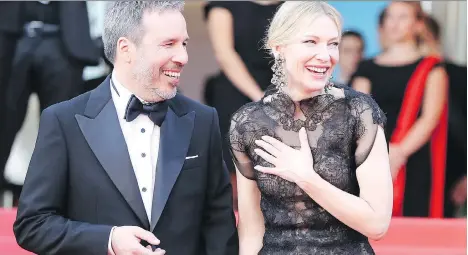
<point>341,128</point>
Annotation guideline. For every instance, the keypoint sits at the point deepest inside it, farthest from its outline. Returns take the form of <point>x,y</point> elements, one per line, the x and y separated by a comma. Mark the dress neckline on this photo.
<point>281,107</point>
<point>404,65</point>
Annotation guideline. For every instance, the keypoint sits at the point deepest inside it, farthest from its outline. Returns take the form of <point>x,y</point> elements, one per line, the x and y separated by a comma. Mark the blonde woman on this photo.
<point>312,161</point>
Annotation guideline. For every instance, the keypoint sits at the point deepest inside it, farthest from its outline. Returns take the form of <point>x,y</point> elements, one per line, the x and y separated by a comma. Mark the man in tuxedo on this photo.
<point>130,167</point>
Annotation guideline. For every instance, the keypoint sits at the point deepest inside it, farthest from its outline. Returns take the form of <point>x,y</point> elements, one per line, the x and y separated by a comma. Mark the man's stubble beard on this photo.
<point>144,75</point>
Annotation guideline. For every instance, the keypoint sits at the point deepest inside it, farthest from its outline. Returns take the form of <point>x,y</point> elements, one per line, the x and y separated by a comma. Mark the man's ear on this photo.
<point>124,48</point>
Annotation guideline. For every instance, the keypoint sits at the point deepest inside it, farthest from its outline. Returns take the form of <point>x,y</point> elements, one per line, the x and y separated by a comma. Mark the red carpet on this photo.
<point>405,237</point>
<point>413,236</point>
<point>8,244</point>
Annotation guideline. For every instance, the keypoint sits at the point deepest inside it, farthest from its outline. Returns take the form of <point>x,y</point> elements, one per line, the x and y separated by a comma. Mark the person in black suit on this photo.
<point>45,46</point>
<point>131,167</point>
<point>8,38</point>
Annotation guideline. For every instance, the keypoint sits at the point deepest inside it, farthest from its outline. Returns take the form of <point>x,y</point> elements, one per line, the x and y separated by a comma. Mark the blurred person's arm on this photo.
<point>435,96</point>
<point>359,80</point>
<point>362,84</point>
<point>459,191</point>
<point>221,33</point>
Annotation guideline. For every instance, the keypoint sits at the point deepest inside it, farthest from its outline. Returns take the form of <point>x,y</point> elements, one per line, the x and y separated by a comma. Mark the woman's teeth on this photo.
<point>320,70</point>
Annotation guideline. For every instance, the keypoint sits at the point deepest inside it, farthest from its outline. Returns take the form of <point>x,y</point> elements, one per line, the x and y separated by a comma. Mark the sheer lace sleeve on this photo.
<point>240,138</point>
<point>369,117</point>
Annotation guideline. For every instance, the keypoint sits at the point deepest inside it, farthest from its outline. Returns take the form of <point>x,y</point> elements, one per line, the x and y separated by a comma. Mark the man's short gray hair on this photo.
<point>123,19</point>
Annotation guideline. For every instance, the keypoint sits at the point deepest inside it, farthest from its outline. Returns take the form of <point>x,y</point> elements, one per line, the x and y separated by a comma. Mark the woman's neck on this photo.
<point>429,49</point>
<point>265,2</point>
<point>298,95</point>
<point>400,53</point>
<point>403,50</point>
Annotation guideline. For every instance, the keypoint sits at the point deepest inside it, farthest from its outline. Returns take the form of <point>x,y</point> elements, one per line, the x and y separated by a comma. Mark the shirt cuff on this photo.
<point>110,251</point>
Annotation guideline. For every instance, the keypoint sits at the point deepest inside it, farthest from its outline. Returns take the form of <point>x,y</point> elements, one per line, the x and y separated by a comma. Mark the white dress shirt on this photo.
<point>142,138</point>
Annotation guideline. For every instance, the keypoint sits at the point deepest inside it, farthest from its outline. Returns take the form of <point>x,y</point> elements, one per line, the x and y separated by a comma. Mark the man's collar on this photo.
<point>123,96</point>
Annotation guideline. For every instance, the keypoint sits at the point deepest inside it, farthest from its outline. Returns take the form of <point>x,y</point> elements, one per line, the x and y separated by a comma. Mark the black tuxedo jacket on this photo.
<point>81,182</point>
<point>74,25</point>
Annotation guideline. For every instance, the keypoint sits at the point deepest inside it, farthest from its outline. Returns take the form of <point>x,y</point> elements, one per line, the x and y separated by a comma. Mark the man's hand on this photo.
<point>126,241</point>
<point>158,251</point>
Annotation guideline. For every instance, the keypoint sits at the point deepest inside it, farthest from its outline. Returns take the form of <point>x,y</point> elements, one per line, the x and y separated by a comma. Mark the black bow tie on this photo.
<point>155,111</point>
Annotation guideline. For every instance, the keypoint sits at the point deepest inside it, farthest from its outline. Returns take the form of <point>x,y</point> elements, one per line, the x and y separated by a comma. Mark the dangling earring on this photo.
<point>279,77</point>
<point>329,84</point>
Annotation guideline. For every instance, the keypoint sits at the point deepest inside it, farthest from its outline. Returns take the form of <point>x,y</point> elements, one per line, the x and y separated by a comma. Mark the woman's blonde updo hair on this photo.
<point>292,17</point>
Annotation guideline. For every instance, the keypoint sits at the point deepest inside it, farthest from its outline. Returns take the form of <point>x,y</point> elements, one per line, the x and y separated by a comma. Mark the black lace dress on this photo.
<point>341,126</point>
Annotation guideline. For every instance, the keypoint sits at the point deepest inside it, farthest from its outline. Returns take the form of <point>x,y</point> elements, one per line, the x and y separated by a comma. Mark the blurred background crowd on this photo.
<point>52,51</point>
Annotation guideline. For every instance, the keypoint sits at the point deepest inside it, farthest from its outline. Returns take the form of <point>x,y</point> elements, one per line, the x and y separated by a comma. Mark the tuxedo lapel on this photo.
<point>176,133</point>
<point>101,129</point>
